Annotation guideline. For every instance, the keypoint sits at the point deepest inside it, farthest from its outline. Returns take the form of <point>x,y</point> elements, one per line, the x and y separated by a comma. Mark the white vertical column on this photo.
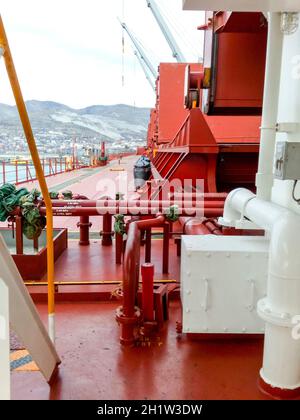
<point>4,343</point>
<point>264,176</point>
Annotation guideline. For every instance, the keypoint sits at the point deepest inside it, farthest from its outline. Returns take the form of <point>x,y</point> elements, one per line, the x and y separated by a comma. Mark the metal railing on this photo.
<point>21,171</point>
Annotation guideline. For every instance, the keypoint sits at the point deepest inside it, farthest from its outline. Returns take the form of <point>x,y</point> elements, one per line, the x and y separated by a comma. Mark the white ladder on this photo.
<point>18,310</point>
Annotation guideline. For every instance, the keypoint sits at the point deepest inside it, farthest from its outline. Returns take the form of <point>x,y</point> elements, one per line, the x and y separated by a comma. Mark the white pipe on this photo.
<point>281,362</point>
<point>264,176</point>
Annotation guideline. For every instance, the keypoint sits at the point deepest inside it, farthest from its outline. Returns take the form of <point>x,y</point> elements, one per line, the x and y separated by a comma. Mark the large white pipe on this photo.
<point>264,176</point>
<point>281,361</point>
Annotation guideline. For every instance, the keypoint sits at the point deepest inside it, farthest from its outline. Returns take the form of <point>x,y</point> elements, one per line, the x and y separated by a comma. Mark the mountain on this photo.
<point>111,123</point>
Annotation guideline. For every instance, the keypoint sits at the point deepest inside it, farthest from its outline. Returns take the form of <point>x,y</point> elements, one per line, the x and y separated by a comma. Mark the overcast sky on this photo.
<point>70,51</point>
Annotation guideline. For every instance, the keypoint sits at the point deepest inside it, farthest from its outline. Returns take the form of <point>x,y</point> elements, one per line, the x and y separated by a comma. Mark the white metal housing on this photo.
<point>24,317</point>
<point>243,5</point>
<point>281,363</point>
<point>222,278</point>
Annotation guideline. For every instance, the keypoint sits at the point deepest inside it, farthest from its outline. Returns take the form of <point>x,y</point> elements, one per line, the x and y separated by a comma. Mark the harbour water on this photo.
<point>9,173</point>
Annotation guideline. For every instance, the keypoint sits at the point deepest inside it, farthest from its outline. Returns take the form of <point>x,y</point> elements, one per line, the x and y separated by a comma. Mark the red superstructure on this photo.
<point>207,117</point>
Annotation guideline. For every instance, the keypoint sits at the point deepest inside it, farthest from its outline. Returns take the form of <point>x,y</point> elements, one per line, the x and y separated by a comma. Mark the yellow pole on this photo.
<point>13,78</point>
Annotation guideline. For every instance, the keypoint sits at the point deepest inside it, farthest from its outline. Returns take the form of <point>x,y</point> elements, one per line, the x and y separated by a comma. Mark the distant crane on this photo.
<point>177,53</point>
<point>141,55</point>
<point>145,70</point>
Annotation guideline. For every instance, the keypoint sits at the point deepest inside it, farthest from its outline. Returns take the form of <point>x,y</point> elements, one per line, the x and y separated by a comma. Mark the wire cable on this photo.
<point>293,193</point>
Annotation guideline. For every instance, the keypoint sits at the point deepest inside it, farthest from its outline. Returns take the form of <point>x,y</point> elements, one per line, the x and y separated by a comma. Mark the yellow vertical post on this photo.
<point>12,74</point>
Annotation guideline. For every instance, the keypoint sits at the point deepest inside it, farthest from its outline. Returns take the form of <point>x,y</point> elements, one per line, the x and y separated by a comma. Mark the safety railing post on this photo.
<point>3,172</point>
<point>17,177</point>
<point>27,174</point>
<point>4,342</point>
<point>166,244</point>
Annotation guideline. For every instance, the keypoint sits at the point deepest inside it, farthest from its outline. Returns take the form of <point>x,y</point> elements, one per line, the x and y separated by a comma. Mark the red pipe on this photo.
<point>119,247</point>
<point>131,211</point>
<point>147,271</point>
<point>150,204</point>
<point>84,226</point>
<point>192,226</point>
<point>148,246</point>
<point>128,315</point>
<point>204,196</point>
<point>213,227</point>
<point>107,230</point>
<point>19,235</point>
<point>166,248</point>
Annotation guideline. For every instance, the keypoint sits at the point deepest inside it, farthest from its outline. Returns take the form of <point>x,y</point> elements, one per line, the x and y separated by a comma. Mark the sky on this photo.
<point>70,51</point>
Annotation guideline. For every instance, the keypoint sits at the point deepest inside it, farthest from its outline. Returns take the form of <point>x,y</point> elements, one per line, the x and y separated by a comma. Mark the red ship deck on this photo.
<point>94,365</point>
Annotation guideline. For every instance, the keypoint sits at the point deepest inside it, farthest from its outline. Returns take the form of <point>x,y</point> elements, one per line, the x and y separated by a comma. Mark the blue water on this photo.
<point>10,172</point>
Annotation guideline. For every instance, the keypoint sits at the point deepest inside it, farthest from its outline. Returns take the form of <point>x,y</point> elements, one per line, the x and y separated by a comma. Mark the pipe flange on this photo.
<point>275,318</point>
<point>126,320</point>
<point>79,224</point>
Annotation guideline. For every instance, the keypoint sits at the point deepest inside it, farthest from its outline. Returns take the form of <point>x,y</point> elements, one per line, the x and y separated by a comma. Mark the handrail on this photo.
<point>174,141</point>
<point>14,82</point>
<point>21,170</point>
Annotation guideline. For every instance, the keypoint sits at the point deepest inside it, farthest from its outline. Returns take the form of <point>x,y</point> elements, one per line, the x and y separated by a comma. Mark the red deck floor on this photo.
<point>97,263</point>
<point>94,366</point>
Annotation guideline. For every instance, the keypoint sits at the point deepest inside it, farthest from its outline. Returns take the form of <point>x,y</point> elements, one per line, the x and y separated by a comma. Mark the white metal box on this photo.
<point>222,278</point>
<point>287,160</point>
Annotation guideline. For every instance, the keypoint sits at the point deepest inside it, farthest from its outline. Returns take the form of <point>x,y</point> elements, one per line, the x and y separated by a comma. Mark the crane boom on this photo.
<point>177,53</point>
<point>139,48</point>
<point>145,70</point>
